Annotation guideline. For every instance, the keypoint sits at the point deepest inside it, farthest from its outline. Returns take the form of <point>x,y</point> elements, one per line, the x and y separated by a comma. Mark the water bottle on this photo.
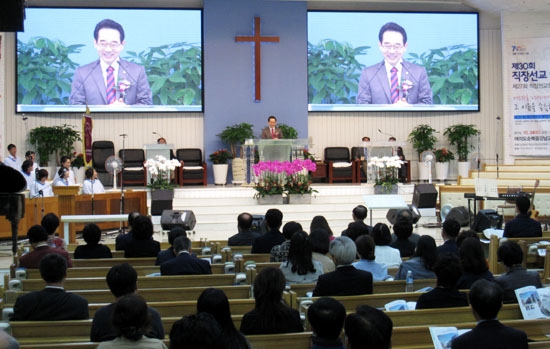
<point>409,286</point>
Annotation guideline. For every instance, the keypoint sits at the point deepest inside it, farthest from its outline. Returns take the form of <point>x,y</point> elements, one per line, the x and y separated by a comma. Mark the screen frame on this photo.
<point>67,108</point>
<point>388,108</point>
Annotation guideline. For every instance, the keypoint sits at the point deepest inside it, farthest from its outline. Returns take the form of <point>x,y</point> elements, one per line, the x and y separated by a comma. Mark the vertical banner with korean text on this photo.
<point>87,127</point>
<point>528,74</point>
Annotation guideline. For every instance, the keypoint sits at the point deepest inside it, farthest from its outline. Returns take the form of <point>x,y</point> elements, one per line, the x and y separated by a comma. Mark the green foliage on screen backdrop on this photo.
<point>333,72</point>
<point>174,72</point>
<point>453,74</point>
<point>45,71</point>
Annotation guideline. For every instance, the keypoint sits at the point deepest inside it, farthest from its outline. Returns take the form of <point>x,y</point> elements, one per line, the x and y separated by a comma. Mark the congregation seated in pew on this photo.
<point>473,263</point>
<point>265,242</point>
<point>326,317</point>
<point>383,252</point>
<point>365,251</point>
<point>320,243</point>
<point>53,302</point>
<point>422,261</point>
<point>516,275</point>
<point>122,281</point>
<point>131,320</point>
<point>445,294</point>
<point>245,236</point>
<point>38,239</point>
<point>92,249</point>
<point>403,229</point>
<point>522,225</point>
<point>270,315</point>
<point>300,266</point>
<point>142,243</point>
<point>168,253</point>
<point>279,252</point>
<point>50,222</point>
<point>123,239</point>
<point>368,327</point>
<point>184,263</point>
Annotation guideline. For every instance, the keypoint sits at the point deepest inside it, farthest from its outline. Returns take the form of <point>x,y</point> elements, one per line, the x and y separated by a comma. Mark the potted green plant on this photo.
<point>236,134</point>
<point>233,136</point>
<point>57,140</point>
<point>289,132</point>
<point>422,138</point>
<point>458,136</point>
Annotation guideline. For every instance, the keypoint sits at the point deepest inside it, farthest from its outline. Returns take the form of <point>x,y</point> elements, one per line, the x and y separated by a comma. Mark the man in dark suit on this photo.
<point>486,301</point>
<point>52,303</point>
<point>184,263</point>
<point>449,232</point>
<point>271,131</point>
<point>411,81</point>
<point>245,236</point>
<point>123,239</point>
<point>122,281</point>
<point>91,83</point>
<point>358,226</point>
<point>168,254</point>
<point>38,238</point>
<point>264,243</point>
<point>345,280</point>
<point>516,276</point>
<point>522,225</point>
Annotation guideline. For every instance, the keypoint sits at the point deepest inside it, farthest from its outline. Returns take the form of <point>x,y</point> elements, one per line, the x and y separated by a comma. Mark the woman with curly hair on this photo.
<point>131,319</point>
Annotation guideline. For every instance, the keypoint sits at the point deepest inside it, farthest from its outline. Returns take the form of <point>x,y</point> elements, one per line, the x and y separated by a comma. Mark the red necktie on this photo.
<point>393,86</point>
<point>111,92</point>
<point>272,133</point>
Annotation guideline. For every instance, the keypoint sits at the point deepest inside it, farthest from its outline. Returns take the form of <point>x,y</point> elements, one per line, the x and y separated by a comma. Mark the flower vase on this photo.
<point>79,174</point>
<point>220,173</point>
<point>161,199</point>
<point>464,169</point>
<point>441,170</point>
<point>237,169</point>
<point>380,189</point>
<point>299,199</point>
<point>276,199</point>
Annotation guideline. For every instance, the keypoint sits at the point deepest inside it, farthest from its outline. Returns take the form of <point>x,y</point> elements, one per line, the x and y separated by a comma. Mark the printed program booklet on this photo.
<point>533,302</point>
<point>443,336</point>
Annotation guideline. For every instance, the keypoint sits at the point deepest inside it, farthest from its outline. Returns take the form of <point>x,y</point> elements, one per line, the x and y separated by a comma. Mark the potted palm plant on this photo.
<point>422,138</point>
<point>458,135</point>
<point>234,136</point>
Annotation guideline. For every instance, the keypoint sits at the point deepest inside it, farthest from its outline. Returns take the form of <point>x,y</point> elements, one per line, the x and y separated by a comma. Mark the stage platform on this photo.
<point>216,208</point>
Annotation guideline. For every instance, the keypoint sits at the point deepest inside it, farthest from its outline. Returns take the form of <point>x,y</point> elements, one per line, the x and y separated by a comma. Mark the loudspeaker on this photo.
<point>424,196</point>
<point>459,214</point>
<point>410,213</point>
<point>487,219</point>
<point>12,15</point>
<point>184,219</point>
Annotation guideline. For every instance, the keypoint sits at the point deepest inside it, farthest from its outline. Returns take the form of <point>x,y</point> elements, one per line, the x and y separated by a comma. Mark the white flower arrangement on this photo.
<point>159,169</point>
<point>385,169</point>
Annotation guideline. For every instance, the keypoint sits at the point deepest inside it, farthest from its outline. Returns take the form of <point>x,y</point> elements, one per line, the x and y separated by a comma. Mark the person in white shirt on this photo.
<point>31,155</point>
<point>66,162</point>
<point>12,160</point>
<point>62,179</point>
<point>28,173</point>
<point>40,187</point>
<point>92,185</point>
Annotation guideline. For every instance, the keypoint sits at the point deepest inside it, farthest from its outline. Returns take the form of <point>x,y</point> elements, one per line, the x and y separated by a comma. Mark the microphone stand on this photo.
<point>478,157</point>
<point>497,145</point>
<point>92,184</point>
<point>122,180</point>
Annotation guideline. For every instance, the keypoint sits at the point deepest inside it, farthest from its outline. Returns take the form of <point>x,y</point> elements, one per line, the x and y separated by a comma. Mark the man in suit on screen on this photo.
<point>110,80</point>
<point>394,81</point>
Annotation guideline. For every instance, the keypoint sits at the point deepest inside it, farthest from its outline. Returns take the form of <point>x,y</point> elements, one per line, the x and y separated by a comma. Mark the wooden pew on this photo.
<point>378,286</point>
<point>100,283</point>
<point>109,262</point>
<point>498,268</point>
<point>90,272</point>
<point>150,294</point>
<point>181,308</point>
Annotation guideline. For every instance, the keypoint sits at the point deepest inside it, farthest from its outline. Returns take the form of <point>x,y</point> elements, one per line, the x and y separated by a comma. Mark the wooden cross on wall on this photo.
<point>257,39</point>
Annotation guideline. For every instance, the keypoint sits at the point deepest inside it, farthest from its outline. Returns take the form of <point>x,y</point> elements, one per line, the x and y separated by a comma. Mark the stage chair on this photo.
<point>193,168</point>
<point>134,167</point>
<point>101,150</point>
<point>340,167</point>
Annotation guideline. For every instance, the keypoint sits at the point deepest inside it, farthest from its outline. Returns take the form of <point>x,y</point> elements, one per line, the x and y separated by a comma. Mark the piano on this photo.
<point>501,196</point>
<point>12,202</point>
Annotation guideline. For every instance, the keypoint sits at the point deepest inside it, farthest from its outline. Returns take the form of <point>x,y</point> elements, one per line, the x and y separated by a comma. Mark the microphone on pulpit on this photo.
<point>384,133</point>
